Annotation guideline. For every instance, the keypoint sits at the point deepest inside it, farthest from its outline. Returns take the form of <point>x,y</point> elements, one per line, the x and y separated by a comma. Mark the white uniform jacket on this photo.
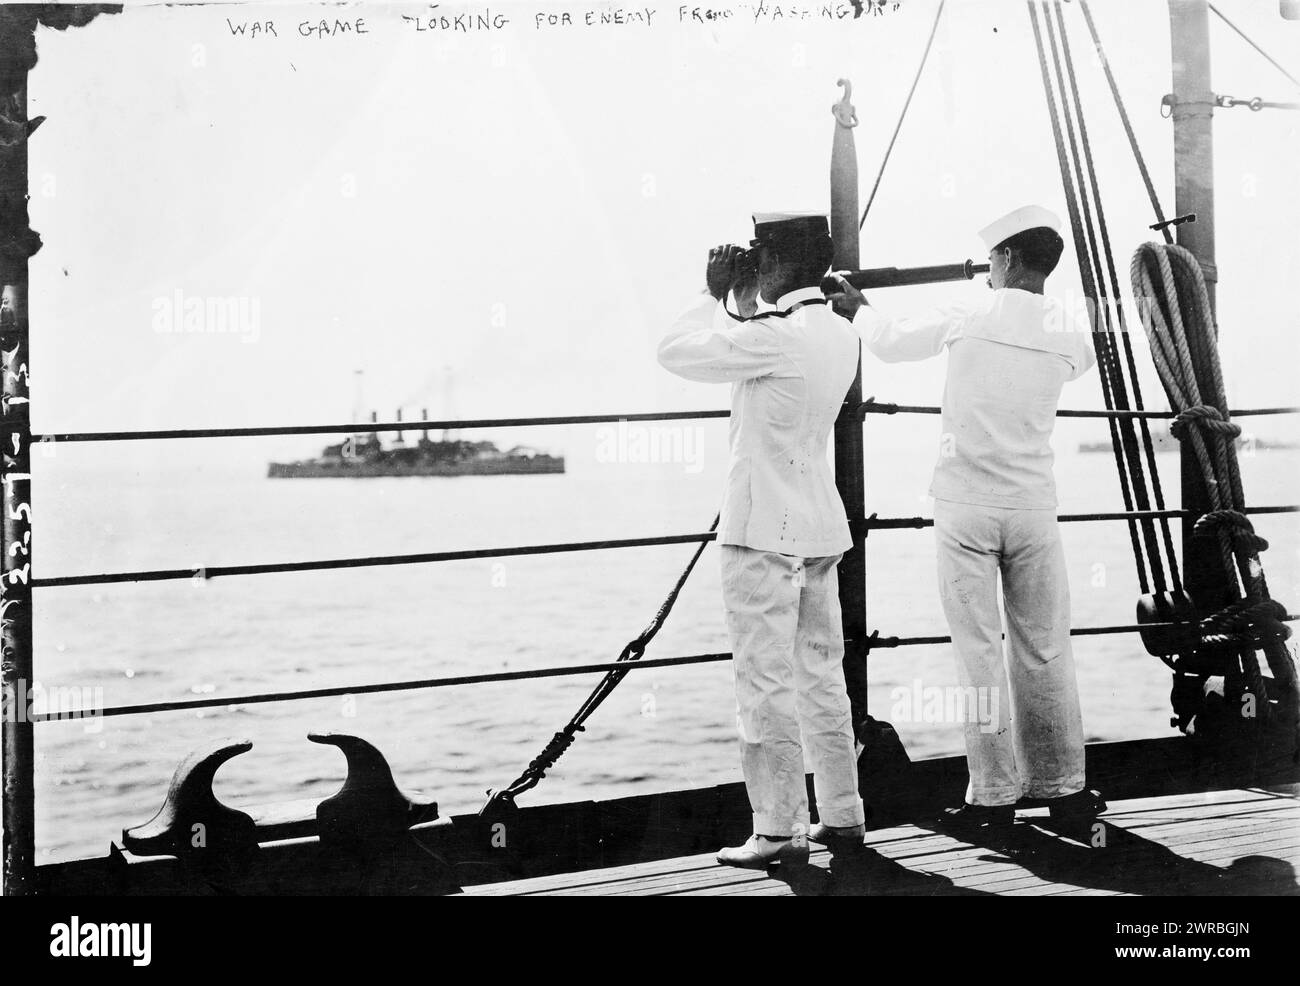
<point>789,375</point>
<point>1007,361</point>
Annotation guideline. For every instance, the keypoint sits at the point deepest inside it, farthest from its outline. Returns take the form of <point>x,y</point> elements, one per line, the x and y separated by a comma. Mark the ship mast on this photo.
<point>358,410</point>
<point>449,403</point>
<point>849,453</point>
<point>357,403</point>
<point>1193,121</point>
<point>399,438</point>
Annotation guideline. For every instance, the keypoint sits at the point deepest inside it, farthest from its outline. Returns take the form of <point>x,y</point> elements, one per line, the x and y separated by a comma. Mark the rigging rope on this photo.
<point>1108,370</point>
<point>561,741</point>
<point>1103,234</point>
<point>1161,222</point>
<point>1175,309</point>
<point>1269,58</point>
<point>903,115</point>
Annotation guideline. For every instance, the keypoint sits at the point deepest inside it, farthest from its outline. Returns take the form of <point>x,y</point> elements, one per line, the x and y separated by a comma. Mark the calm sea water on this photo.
<point>663,729</point>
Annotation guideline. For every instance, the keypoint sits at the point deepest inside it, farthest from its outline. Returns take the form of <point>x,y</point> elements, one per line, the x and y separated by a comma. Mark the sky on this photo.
<point>523,209</point>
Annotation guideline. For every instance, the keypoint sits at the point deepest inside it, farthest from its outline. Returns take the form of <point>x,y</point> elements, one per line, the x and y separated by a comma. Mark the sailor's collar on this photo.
<point>800,296</point>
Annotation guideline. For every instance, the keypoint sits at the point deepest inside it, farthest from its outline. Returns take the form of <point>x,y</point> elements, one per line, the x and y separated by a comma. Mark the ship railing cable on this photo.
<point>371,427</point>
<point>875,523</point>
<point>872,406</point>
<point>508,551</point>
<point>326,564</point>
<point>1176,312</point>
<point>495,677</point>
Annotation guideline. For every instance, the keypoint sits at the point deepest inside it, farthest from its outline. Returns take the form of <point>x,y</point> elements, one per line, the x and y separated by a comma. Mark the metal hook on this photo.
<point>845,114</point>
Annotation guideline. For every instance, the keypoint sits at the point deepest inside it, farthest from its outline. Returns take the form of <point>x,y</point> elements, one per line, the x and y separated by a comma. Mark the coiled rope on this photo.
<point>1174,306</point>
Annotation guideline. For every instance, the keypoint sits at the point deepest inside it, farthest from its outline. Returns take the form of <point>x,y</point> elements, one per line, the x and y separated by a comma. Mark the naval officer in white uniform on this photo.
<point>995,513</point>
<point>783,526</point>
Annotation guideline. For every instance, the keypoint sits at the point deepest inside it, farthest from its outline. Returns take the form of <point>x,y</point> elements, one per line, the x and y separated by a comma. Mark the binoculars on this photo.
<point>746,262</point>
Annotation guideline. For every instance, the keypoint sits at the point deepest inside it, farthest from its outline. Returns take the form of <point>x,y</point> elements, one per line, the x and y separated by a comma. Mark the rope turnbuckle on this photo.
<point>533,773</point>
<point>545,760</point>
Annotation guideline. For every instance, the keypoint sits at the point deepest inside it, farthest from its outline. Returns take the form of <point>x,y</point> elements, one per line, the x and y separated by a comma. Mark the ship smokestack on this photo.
<point>424,416</point>
<point>399,439</point>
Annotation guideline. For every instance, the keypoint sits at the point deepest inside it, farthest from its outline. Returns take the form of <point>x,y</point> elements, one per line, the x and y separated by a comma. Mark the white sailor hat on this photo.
<point>784,227</point>
<point>1017,221</point>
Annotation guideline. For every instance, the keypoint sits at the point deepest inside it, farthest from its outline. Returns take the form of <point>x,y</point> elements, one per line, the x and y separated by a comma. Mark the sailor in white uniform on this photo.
<point>783,526</point>
<point>995,513</point>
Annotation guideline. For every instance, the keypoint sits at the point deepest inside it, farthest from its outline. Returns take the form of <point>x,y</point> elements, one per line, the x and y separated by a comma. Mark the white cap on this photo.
<point>779,217</point>
<point>1017,221</point>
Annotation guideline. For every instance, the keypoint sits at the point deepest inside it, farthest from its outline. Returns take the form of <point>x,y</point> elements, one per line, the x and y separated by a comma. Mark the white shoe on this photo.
<point>759,854</point>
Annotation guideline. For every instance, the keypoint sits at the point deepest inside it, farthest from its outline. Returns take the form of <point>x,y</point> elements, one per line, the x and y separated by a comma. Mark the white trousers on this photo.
<point>1035,746</point>
<point>787,642</point>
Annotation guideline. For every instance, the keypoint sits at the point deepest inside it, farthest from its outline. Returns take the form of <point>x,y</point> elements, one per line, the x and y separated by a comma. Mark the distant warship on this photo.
<point>363,455</point>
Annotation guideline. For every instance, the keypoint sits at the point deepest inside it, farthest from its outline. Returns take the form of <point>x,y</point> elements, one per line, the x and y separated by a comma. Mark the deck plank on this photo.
<point>1233,841</point>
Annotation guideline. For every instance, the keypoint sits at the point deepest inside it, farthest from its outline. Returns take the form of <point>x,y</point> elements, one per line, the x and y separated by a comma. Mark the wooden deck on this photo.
<point>1244,841</point>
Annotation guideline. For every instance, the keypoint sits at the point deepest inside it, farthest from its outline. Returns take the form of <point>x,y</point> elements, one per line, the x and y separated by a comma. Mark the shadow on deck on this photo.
<point>1221,843</point>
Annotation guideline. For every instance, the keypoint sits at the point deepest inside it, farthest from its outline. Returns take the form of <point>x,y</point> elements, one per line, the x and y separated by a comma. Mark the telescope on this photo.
<point>895,277</point>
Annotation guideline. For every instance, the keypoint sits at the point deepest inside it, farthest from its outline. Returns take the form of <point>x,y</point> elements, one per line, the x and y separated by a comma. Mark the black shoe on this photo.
<point>841,842</point>
<point>1082,806</point>
<point>979,818</point>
